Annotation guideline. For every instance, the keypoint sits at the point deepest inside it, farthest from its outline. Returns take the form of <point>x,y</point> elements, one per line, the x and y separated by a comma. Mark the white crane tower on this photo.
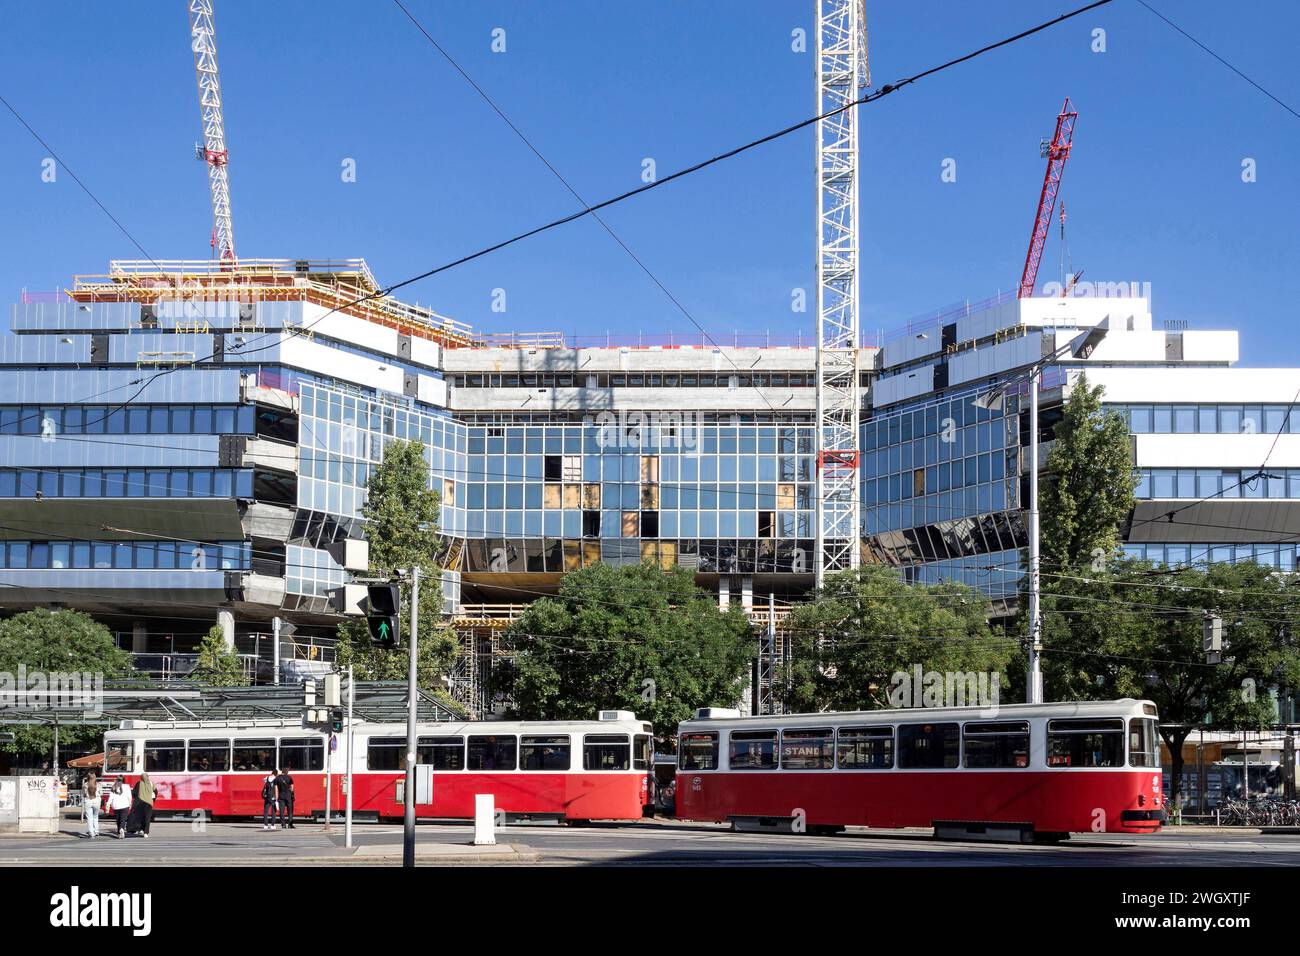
<point>203,38</point>
<point>841,71</point>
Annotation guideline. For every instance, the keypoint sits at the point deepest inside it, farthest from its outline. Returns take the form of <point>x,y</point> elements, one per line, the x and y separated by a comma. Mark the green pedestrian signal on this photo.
<point>382,614</point>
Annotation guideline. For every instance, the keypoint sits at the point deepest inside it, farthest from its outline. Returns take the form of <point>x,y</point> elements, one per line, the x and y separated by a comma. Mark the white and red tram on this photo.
<point>570,770</point>
<point>1040,769</point>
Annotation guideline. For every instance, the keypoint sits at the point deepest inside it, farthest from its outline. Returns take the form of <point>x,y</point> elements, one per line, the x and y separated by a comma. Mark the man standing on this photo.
<point>284,793</point>
<point>269,802</point>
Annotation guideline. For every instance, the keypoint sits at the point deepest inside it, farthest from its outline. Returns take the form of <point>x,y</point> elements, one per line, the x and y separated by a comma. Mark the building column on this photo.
<point>724,592</point>
<point>226,620</point>
<point>139,637</point>
<point>747,593</point>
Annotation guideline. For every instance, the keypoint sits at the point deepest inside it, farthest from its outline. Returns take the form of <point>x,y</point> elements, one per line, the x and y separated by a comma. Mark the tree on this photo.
<point>862,627</point>
<point>401,513</point>
<point>218,665</point>
<point>1088,483</point>
<point>634,638</point>
<point>1136,631</point>
<point>57,642</point>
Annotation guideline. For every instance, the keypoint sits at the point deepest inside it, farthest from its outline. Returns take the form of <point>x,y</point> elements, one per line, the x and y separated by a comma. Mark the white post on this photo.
<point>329,775</point>
<point>347,816</point>
<point>484,820</point>
<point>412,706</point>
<point>275,654</point>
<point>1034,691</point>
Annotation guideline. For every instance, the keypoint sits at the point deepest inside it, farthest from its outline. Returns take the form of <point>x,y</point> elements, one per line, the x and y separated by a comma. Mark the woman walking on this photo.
<point>119,801</point>
<point>90,805</point>
<point>142,811</point>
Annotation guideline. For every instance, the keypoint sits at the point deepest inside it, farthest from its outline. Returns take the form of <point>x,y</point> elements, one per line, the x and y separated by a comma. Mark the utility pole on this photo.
<point>1034,692</point>
<point>412,705</point>
<point>275,654</point>
<point>347,817</point>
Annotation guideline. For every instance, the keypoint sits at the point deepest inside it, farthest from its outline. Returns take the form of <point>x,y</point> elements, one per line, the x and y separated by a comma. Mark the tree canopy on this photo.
<point>864,626</point>
<point>401,513</point>
<point>218,665</point>
<point>632,638</point>
<point>57,641</point>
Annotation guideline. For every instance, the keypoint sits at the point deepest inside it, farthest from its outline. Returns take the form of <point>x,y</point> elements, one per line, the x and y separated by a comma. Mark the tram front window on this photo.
<point>1085,742</point>
<point>1143,749</point>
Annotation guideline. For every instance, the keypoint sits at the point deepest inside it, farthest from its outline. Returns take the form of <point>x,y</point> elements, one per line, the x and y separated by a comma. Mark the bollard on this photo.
<point>484,820</point>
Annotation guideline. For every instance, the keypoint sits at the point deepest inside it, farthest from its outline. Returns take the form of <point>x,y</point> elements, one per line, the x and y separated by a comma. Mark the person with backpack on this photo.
<point>119,801</point>
<point>269,802</point>
<point>284,794</point>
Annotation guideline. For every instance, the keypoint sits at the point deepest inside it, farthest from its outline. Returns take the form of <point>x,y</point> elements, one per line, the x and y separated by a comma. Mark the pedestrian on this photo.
<point>284,793</point>
<point>269,805</point>
<point>142,806</point>
<point>119,801</point>
<point>90,805</point>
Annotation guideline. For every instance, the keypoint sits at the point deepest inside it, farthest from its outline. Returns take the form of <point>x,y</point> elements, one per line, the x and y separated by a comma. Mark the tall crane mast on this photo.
<point>841,71</point>
<point>1056,153</point>
<point>213,150</point>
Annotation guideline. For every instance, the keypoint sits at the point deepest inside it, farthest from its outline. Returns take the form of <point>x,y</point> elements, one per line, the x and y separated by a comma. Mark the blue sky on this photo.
<point>1154,186</point>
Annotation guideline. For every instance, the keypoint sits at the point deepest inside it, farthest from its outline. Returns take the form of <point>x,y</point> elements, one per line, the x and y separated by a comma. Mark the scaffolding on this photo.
<point>343,285</point>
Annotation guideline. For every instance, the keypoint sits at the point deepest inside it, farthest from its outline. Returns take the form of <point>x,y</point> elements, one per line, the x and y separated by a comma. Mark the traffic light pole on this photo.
<point>412,705</point>
<point>347,816</point>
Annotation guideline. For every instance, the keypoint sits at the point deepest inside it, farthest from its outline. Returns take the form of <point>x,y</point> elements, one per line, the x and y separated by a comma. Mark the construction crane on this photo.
<point>842,70</point>
<point>1056,153</point>
<point>213,149</point>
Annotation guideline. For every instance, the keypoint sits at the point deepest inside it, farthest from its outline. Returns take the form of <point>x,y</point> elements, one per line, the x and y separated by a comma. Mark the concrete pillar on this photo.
<point>226,619</point>
<point>724,592</point>
<point>139,637</point>
<point>747,593</point>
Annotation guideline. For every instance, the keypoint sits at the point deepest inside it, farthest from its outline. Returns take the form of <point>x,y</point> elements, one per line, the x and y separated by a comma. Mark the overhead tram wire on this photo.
<point>1220,59</point>
<point>574,193</point>
<point>869,97</point>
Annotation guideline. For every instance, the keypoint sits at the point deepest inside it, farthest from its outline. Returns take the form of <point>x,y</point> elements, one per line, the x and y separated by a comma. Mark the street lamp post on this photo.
<point>1079,347</point>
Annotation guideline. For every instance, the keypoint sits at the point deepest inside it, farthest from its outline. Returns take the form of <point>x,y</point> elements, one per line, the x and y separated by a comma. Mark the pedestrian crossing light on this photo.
<point>384,601</point>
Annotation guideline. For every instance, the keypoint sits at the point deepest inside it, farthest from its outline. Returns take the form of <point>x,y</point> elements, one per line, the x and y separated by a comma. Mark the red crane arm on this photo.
<point>1057,153</point>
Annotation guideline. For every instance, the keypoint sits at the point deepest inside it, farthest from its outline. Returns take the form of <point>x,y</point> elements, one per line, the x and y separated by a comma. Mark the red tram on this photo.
<point>1036,771</point>
<point>568,770</point>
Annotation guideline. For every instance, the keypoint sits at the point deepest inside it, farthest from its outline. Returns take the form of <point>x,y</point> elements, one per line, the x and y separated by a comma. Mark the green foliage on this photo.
<point>633,638</point>
<point>863,626</point>
<point>62,641</point>
<point>1087,486</point>
<point>401,513</point>
<point>1133,631</point>
<point>218,665</point>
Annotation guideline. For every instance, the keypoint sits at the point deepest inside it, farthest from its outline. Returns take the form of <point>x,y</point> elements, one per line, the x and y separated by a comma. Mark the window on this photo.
<point>1143,750</point>
<point>1096,742</point>
<point>209,756</point>
<point>545,753</point>
<point>698,752</point>
<point>928,746</point>
<point>1004,744</point>
<point>386,753</point>
<point>808,749</point>
<point>752,750</point>
<point>119,757</point>
<point>164,756</point>
<point>441,753</point>
<point>865,748</point>
<point>641,751</point>
<point>254,755</point>
<point>492,753</point>
<point>606,752</point>
<point>302,753</point>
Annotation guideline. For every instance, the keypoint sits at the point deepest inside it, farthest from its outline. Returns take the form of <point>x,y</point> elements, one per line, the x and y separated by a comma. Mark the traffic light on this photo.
<point>336,720</point>
<point>384,602</point>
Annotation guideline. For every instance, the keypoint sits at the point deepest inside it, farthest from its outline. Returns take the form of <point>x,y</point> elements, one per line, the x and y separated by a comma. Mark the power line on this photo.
<point>1220,59</point>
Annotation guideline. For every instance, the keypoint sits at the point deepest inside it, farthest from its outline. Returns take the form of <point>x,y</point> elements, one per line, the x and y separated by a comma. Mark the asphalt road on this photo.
<point>649,843</point>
